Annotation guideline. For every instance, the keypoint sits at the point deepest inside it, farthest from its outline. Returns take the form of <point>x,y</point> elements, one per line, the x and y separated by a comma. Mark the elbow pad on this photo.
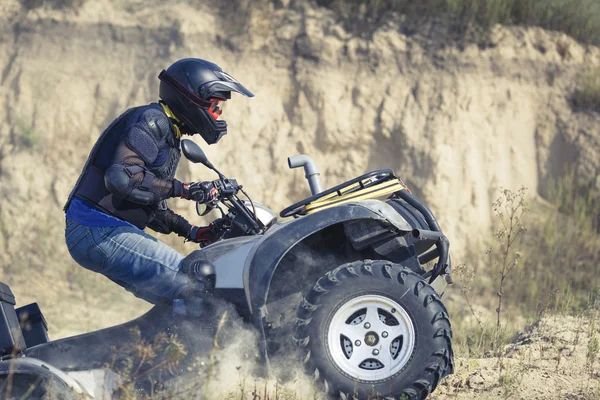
<point>117,180</point>
<point>142,197</point>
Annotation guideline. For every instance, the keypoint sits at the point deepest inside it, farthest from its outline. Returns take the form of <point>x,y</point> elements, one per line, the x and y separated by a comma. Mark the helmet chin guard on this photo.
<point>193,88</point>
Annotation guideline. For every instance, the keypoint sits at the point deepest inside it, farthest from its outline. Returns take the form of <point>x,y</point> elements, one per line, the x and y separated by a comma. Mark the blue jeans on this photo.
<point>129,257</point>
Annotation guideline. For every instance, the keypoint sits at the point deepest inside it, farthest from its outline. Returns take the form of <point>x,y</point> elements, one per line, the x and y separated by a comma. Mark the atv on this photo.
<point>344,284</point>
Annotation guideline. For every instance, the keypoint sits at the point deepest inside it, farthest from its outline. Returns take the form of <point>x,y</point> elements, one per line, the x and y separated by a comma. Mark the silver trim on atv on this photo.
<point>371,338</point>
<point>386,212</point>
<point>264,214</point>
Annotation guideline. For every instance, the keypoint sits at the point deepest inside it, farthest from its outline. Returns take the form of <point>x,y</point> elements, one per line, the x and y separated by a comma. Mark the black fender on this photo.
<point>65,353</point>
<point>41,373</point>
<point>274,247</point>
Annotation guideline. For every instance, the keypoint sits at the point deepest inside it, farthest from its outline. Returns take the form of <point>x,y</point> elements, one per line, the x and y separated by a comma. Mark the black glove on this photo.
<point>202,192</point>
<point>202,234</point>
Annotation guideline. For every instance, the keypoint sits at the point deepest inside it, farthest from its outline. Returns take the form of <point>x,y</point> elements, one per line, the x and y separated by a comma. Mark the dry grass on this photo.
<point>56,4</point>
<point>558,268</point>
<point>578,18</point>
<point>501,262</point>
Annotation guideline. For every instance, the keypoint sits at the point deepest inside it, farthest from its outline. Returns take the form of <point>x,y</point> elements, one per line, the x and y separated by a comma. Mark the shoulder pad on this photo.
<point>157,124</point>
<point>149,134</point>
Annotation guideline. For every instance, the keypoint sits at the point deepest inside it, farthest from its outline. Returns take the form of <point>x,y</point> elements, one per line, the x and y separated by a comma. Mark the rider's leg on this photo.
<point>130,257</point>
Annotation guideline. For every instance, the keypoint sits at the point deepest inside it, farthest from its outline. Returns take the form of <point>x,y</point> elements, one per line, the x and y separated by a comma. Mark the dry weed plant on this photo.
<point>510,208</point>
<point>215,347</point>
<point>10,378</point>
<point>163,354</point>
<point>593,345</point>
<point>503,259</point>
<point>511,378</point>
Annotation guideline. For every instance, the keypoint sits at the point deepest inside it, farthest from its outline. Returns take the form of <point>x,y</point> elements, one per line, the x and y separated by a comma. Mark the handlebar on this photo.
<point>227,187</point>
<point>239,216</point>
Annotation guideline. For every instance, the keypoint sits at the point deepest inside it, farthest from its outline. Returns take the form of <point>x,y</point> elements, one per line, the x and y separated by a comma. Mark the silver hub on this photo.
<point>371,337</point>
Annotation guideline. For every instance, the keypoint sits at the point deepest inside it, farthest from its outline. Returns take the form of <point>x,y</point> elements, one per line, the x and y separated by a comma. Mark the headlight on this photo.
<point>264,214</point>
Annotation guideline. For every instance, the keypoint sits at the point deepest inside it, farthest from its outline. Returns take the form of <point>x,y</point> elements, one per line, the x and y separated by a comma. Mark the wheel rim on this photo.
<point>371,337</point>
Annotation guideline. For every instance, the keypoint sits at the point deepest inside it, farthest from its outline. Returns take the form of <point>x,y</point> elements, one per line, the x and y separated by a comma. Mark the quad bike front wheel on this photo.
<point>373,329</point>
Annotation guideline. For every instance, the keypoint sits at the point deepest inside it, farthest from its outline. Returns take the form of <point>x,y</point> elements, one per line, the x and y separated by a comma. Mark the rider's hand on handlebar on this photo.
<point>201,234</point>
<point>206,235</point>
<point>202,192</point>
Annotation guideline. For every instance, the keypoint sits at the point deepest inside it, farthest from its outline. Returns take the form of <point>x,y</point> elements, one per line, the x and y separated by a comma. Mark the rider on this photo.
<point>129,175</point>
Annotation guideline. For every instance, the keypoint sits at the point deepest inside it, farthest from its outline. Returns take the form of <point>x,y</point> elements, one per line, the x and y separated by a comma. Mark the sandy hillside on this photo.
<point>552,359</point>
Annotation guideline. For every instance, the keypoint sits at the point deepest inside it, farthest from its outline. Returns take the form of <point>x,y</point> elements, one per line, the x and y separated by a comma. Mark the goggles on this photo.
<point>215,109</point>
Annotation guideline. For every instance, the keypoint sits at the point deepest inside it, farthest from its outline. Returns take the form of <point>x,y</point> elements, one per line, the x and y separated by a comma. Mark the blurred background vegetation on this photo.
<point>577,18</point>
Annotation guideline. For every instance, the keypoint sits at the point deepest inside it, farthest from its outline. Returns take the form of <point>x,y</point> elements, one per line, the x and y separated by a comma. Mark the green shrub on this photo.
<point>587,91</point>
<point>55,4</point>
<point>26,135</point>
<point>576,197</point>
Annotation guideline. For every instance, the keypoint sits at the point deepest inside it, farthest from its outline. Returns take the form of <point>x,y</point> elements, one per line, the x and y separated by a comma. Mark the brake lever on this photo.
<point>227,188</point>
<point>208,209</point>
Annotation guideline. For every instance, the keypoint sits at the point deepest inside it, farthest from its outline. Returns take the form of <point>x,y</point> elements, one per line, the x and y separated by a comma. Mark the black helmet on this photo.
<point>193,89</point>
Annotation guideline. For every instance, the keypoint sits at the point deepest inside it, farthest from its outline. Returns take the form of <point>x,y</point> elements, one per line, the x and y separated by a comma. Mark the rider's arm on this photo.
<point>128,177</point>
<point>166,221</point>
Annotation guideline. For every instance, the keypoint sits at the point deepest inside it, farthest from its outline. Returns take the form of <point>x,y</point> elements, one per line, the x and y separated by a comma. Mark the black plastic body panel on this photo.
<point>101,347</point>
<point>33,324</point>
<point>273,248</point>
<point>416,219</point>
<point>11,338</point>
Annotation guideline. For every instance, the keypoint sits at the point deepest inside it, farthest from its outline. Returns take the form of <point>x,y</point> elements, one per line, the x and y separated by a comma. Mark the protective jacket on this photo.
<point>130,171</point>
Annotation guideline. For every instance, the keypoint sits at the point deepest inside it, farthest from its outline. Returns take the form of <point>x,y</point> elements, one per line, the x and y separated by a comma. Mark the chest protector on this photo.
<point>91,187</point>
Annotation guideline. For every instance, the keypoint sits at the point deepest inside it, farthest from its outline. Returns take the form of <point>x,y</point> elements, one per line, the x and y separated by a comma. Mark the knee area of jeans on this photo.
<point>146,295</point>
<point>90,259</point>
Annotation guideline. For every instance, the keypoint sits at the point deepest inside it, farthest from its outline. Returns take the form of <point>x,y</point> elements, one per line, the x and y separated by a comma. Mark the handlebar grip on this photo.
<point>227,187</point>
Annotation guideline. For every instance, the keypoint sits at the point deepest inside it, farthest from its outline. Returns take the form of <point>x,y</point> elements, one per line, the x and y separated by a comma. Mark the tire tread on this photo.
<point>440,361</point>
